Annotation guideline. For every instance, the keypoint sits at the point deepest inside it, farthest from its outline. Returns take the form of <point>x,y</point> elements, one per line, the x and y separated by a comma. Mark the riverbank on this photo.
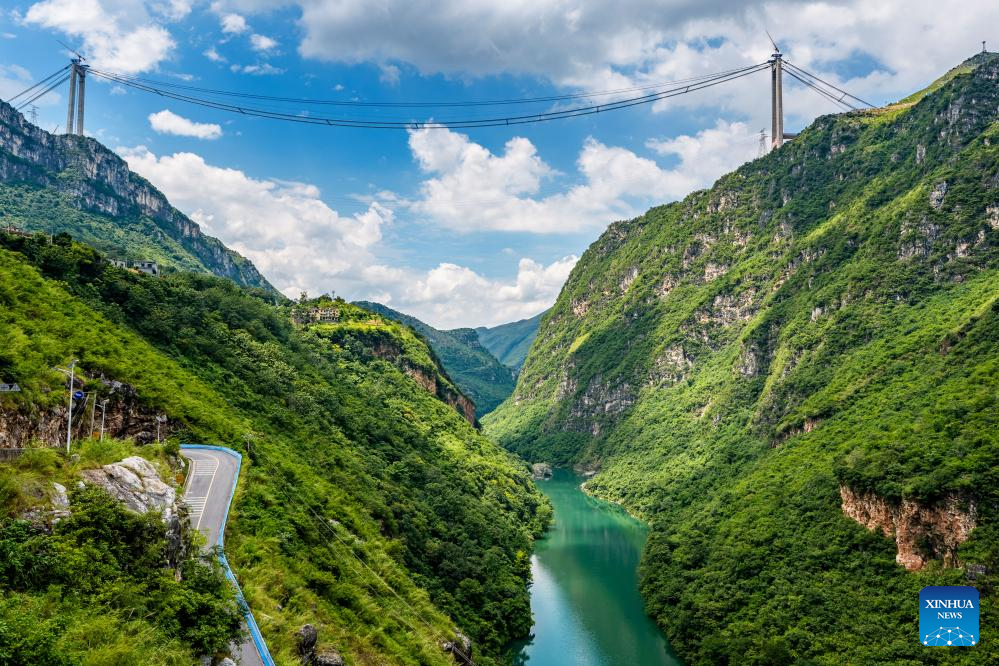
<point>585,599</point>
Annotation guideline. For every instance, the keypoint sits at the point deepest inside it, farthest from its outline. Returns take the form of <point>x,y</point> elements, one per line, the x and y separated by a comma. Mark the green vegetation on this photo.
<point>63,183</point>
<point>475,371</point>
<point>96,589</point>
<point>511,342</point>
<point>824,316</point>
<point>367,506</point>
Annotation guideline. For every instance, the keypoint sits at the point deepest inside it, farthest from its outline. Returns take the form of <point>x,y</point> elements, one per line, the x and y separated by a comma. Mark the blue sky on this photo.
<point>456,227</point>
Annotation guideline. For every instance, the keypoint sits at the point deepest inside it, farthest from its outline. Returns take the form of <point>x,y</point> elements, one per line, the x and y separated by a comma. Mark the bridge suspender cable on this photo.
<point>375,123</point>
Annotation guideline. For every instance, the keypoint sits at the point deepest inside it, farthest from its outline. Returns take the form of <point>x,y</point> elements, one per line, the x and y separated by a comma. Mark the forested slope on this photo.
<point>368,506</point>
<point>811,344</point>
<point>475,371</point>
<point>56,183</point>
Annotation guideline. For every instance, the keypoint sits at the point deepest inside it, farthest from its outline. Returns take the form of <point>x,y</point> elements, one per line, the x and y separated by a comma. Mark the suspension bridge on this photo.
<point>472,114</point>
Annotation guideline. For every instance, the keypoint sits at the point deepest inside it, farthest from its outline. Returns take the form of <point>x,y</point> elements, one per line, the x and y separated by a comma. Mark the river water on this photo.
<point>587,610</point>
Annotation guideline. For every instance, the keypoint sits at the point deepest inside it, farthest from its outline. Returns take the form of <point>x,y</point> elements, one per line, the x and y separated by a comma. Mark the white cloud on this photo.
<point>262,42</point>
<point>168,122</point>
<point>300,243</point>
<point>117,35</point>
<point>233,24</point>
<point>213,55</point>
<point>389,75</point>
<point>265,69</point>
<point>471,189</point>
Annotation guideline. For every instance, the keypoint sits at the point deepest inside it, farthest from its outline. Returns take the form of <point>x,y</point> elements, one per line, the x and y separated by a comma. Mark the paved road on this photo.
<point>207,492</point>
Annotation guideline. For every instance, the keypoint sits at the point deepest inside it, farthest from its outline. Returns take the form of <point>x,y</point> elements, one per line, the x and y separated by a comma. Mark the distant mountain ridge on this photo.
<point>55,183</point>
<point>511,342</point>
<point>469,364</point>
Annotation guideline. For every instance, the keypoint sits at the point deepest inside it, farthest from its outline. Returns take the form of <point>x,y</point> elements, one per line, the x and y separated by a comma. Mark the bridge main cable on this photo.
<point>374,123</point>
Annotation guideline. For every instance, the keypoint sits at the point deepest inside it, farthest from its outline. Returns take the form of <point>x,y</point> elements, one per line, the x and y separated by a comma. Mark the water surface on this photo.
<point>587,610</point>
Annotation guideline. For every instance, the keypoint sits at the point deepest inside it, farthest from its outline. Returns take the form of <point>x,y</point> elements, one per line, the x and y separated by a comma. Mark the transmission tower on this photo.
<point>33,114</point>
<point>764,148</point>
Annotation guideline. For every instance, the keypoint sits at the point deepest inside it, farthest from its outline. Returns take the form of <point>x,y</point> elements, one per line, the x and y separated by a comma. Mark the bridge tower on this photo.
<point>777,98</point>
<point>77,95</point>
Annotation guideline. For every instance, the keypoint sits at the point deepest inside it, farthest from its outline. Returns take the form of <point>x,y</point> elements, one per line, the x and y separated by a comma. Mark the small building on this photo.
<point>147,267</point>
<point>321,315</point>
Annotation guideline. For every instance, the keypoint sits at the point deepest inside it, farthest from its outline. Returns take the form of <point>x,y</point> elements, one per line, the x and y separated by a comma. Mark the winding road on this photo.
<point>211,482</point>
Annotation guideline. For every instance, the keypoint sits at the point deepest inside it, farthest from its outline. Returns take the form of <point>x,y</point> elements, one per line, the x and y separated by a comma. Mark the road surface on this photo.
<point>211,479</point>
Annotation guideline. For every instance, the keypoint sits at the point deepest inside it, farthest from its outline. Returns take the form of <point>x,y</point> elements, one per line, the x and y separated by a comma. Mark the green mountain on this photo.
<point>368,506</point>
<point>55,183</point>
<point>511,342</point>
<point>794,377</point>
<point>476,372</point>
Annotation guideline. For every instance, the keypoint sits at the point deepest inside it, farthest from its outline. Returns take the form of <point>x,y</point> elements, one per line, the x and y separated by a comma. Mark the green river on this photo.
<point>587,610</point>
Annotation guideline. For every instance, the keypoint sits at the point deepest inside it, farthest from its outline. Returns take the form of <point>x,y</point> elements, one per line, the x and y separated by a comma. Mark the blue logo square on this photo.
<point>948,616</point>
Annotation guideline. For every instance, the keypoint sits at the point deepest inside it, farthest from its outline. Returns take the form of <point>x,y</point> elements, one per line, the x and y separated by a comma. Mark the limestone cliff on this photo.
<point>921,532</point>
<point>90,178</point>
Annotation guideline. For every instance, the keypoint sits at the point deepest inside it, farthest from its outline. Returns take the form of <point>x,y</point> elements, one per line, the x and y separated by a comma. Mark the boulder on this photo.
<point>328,658</point>
<point>135,482</point>
<point>306,638</point>
<point>541,471</point>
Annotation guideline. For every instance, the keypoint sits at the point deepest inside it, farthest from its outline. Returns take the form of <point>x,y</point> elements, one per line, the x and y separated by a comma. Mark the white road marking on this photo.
<point>197,504</point>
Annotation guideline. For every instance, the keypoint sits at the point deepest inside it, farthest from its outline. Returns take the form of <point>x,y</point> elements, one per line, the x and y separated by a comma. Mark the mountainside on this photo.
<point>510,342</point>
<point>369,506</point>
<point>793,376</point>
<point>476,372</point>
<point>56,183</point>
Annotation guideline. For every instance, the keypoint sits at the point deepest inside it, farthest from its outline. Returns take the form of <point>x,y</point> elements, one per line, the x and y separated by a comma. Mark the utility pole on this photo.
<point>93,411</point>
<point>71,371</point>
<point>104,409</point>
<point>72,94</point>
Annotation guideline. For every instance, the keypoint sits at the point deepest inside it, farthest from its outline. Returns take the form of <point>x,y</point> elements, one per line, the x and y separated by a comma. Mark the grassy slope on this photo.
<point>476,372</point>
<point>511,342</point>
<point>434,510</point>
<point>853,337</point>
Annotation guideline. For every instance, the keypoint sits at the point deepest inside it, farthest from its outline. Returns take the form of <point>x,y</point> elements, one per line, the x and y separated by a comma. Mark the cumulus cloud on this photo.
<point>118,35</point>
<point>471,189</point>
<point>262,42</point>
<point>168,122</point>
<point>301,244</point>
<point>233,24</point>
<point>213,55</point>
<point>602,45</point>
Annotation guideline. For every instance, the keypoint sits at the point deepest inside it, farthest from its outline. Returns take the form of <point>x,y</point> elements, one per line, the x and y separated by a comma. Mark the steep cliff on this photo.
<point>56,183</point>
<point>824,317</point>
<point>473,369</point>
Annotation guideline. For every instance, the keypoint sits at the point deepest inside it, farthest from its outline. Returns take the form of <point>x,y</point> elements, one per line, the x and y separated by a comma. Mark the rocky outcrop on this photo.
<point>460,647</point>
<point>97,180</point>
<point>921,532</point>
<point>127,417</point>
<point>306,639</point>
<point>541,471</point>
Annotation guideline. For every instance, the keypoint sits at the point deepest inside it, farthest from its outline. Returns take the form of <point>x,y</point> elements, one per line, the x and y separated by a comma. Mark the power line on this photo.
<point>450,124</point>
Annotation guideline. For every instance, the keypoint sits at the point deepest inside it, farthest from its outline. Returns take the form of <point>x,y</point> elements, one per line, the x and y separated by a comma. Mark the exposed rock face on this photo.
<point>460,647</point>
<point>135,482</point>
<point>97,180</point>
<point>920,532</point>
<point>541,471</point>
<point>126,417</point>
